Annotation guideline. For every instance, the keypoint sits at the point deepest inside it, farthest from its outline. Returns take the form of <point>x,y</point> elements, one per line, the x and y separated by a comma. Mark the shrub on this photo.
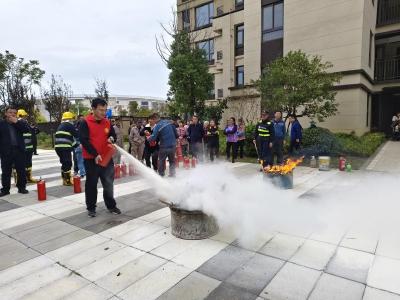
<point>320,141</point>
<point>365,145</point>
<point>44,141</point>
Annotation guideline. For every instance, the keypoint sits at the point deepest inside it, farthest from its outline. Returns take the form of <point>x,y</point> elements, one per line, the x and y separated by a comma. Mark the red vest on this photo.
<point>98,135</point>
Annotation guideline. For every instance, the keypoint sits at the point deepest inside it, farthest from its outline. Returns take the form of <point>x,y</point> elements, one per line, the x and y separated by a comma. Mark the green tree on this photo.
<point>189,79</point>
<point>215,111</point>
<point>123,112</point>
<point>101,89</point>
<point>133,108</point>
<point>56,98</point>
<point>144,112</point>
<point>299,84</point>
<point>18,81</point>
<point>79,109</point>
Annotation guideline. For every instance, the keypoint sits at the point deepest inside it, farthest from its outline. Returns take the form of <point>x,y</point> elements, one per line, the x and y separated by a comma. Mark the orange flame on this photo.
<point>287,168</point>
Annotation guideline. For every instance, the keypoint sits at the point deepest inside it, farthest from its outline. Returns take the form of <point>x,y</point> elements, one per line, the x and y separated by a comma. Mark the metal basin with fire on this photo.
<point>191,225</point>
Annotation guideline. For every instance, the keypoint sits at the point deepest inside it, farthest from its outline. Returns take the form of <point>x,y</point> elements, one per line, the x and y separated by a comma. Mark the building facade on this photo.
<point>361,38</point>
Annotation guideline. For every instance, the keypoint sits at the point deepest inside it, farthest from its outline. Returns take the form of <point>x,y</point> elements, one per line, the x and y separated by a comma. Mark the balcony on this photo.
<point>387,69</point>
<point>388,12</point>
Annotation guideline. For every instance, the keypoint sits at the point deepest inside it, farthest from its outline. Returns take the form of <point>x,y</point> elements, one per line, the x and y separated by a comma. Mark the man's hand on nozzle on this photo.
<point>98,159</point>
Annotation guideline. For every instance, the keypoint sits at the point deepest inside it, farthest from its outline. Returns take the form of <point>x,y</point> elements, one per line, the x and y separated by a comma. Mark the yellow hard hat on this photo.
<point>68,116</point>
<point>21,113</point>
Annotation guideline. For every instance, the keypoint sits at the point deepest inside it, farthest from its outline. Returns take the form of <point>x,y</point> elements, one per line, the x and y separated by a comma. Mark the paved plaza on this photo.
<point>52,250</point>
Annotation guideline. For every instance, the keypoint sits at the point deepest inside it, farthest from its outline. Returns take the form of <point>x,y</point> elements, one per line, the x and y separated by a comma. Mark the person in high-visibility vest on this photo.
<point>264,136</point>
<point>65,142</point>
<point>23,115</point>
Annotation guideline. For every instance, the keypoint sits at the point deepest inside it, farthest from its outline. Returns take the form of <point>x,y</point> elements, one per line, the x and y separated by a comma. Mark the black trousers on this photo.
<point>76,168</point>
<point>294,146</point>
<point>28,159</point>
<point>106,175</point>
<point>151,157</point>
<point>34,143</point>
<point>16,159</point>
<point>65,159</point>
<point>240,145</point>
<point>231,146</point>
<point>213,149</point>
<point>277,150</point>
<point>163,154</point>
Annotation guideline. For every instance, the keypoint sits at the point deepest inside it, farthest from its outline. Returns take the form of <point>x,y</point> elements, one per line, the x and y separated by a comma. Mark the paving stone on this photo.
<point>8,206</point>
<point>330,235</point>
<point>389,246</point>
<point>225,235</point>
<point>59,289</point>
<point>62,241</point>
<point>374,294</point>
<point>156,283</point>
<point>351,264</point>
<point>91,255</point>
<point>44,233</point>
<point>291,282</point>
<point>173,248</point>
<point>90,291</point>
<point>314,254</point>
<point>225,291</point>
<point>13,253</point>
<point>225,263</point>
<point>166,222</point>
<point>28,225</point>
<point>360,241</point>
<point>123,228</point>
<point>332,287</point>
<point>199,253</point>
<point>385,274</point>
<point>282,246</point>
<point>141,232</point>
<point>130,273</point>
<point>68,213</point>
<point>147,208</point>
<point>32,282</point>
<point>23,269</point>
<point>155,240</point>
<point>157,215</point>
<point>109,263</point>
<point>112,221</point>
<point>76,248</point>
<point>256,273</point>
<point>195,287</point>
<point>254,244</point>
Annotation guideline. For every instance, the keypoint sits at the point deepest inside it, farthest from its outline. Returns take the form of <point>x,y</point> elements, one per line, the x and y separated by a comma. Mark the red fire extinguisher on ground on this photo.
<point>41,190</point>
<point>194,162</point>
<point>186,163</point>
<point>342,163</point>
<point>131,170</point>
<point>77,185</point>
<point>117,171</point>
<point>124,170</point>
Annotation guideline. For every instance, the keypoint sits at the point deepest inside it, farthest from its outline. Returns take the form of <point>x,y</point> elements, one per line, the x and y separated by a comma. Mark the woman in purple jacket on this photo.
<point>231,139</point>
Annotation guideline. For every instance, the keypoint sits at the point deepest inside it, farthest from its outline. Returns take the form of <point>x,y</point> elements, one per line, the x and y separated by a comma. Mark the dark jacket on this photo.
<point>21,127</point>
<point>280,129</point>
<point>66,137</point>
<point>165,132</point>
<point>265,131</point>
<point>195,133</point>
<point>147,145</point>
<point>212,137</point>
<point>296,131</point>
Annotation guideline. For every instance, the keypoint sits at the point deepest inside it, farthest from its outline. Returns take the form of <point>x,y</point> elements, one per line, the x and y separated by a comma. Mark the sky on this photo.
<point>81,40</point>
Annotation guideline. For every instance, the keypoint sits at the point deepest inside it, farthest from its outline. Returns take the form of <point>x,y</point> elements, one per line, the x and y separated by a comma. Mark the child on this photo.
<point>182,139</point>
<point>212,139</point>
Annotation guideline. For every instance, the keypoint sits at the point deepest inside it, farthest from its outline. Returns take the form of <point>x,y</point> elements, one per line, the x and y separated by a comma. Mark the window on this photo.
<point>371,40</point>
<point>220,55</point>
<point>204,15</point>
<point>220,93</point>
<point>144,103</point>
<point>186,19</point>
<point>239,39</point>
<point>272,19</point>
<point>240,76</point>
<point>208,47</point>
<point>239,3</point>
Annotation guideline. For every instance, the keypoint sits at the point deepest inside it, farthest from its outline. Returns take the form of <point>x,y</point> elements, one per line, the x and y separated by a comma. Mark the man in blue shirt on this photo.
<point>165,132</point>
<point>296,134</point>
<point>280,133</point>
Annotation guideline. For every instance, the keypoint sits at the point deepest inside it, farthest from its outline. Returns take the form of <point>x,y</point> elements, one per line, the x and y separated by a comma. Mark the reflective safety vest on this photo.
<point>27,137</point>
<point>65,137</point>
<point>263,129</point>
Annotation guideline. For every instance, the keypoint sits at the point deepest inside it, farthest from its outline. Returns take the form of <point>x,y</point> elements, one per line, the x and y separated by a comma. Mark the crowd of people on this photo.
<point>81,144</point>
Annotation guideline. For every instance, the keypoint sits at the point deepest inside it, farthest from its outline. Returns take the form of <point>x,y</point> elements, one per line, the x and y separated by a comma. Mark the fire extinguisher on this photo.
<point>194,161</point>
<point>77,185</point>
<point>186,163</point>
<point>117,171</point>
<point>342,163</point>
<point>131,170</point>
<point>123,170</point>
<point>41,190</point>
<point>110,150</point>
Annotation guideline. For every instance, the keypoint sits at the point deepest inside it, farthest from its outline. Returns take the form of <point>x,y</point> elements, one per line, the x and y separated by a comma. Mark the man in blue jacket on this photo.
<point>280,133</point>
<point>295,134</point>
<point>165,132</point>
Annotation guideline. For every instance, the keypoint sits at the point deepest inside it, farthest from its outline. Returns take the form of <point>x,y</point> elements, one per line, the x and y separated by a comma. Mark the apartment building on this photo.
<point>361,38</point>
